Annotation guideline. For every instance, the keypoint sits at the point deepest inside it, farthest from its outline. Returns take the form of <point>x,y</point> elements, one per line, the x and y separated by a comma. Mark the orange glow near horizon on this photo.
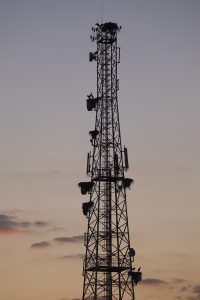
<point>12,231</point>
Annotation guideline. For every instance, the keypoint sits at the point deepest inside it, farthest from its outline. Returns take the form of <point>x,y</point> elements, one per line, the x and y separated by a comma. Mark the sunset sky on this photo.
<point>45,76</point>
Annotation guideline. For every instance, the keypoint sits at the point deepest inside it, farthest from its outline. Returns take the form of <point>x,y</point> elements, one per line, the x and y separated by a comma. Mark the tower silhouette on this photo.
<point>107,267</point>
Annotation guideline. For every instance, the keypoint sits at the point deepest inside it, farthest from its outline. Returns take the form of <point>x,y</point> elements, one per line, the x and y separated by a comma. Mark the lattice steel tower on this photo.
<point>107,269</point>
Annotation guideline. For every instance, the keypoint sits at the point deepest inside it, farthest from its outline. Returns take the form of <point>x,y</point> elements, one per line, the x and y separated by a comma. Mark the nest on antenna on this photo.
<point>86,206</point>
<point>86,187</point>
<point>94,134</point>
<point>137,276</point>
<point>92,103</point>
<point>127,182</point>
<point>110,27</point>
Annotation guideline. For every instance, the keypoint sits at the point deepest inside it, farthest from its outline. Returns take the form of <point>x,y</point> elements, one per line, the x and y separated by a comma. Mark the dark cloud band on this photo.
<point>72,239</point>
<point>153,282</point>
<point>40,245</point>
<point>10,224</point>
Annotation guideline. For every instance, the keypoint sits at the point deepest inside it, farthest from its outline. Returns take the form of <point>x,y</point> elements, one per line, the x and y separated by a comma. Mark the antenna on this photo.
<point>101,5</point>
<point>108,265</point>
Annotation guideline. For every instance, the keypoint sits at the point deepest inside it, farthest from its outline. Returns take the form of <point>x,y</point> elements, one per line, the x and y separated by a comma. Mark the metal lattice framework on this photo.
<point>107,269</point>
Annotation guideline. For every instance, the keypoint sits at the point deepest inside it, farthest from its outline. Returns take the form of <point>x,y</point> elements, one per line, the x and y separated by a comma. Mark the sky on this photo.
<point>45,76</point>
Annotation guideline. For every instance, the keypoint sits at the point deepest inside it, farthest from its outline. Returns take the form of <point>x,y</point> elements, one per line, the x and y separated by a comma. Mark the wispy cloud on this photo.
<point>56,228</point>
<point>196,290</point>
<point>178,280</point>
<point>71,239</point>
<point>61,240</point>
<point>184,289</point>
<point>193,298</point>
<point>40,223</point>
<point>72,256</point>
<point>11,225</point>
<point>40,245</point>
<point>153,282</point>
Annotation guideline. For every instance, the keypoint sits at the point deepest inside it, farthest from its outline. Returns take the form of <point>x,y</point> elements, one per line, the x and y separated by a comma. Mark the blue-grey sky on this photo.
<point>45,76</point>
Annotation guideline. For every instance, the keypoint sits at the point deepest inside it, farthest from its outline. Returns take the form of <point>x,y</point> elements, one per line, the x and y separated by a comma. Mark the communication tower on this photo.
<point>108,265</point>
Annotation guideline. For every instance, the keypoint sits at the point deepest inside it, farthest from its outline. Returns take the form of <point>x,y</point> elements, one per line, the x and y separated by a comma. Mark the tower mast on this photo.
<point>107,267</point>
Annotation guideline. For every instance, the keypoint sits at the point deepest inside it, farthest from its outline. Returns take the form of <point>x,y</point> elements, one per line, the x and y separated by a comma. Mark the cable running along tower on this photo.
<point>107,268</point>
